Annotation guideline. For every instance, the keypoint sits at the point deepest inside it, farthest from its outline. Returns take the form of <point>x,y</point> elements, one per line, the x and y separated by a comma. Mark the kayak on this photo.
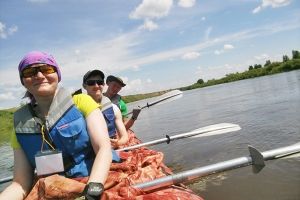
<point>138,166</point>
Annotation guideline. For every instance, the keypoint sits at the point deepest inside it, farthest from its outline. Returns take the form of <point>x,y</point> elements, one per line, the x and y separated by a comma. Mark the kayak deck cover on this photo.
<point>137,166</point>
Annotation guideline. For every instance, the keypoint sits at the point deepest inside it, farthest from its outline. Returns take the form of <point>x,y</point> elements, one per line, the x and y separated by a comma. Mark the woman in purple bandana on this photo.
<point>56,133</point>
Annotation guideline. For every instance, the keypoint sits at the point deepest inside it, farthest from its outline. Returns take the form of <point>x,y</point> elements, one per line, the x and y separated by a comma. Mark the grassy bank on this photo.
<point>137,97</point>
<point>6,124</point>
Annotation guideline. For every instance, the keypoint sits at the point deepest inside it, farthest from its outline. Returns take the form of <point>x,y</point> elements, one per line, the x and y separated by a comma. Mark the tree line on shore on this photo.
<point>287,64</point>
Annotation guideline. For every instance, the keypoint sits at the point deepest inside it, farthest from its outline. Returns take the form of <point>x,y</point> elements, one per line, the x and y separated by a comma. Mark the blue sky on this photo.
<point>152,44</point>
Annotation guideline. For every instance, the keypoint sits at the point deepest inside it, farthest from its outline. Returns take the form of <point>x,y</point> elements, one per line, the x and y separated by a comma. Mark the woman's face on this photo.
<point>41,84</point>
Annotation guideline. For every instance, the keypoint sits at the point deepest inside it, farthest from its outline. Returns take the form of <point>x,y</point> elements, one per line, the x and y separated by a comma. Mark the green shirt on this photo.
<point>123,108</point>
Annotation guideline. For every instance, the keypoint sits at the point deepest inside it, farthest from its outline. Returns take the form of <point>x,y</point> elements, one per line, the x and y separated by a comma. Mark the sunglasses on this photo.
<point>32,71</point>
<point>93,82</point>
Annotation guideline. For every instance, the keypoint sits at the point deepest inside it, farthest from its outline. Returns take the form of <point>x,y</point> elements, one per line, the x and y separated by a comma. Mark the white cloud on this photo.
<point>271,3</point>
<point>149,80</point>
<point>190,55</point>
<point>136,68</point>
<point>149,25</point>
<point>133,86</point>
<point>207,33</point>
<point>150,9</point>
<point>4,32</point>
<point>203,18</point>
<point>7,96</point>
<point>186,3</point>
<point>77,51</point>
<point>215,72</point>
<point>262,57</point>
<point>115,55</point>
<point>218,52</point>
<point>12,30</point>
<point>226,47</point>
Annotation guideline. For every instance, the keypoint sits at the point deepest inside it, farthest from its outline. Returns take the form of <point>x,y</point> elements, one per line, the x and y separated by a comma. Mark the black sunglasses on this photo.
<point>93,82</point>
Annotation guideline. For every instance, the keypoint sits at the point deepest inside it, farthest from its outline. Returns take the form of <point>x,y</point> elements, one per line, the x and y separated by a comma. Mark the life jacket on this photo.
<point>109,115</point>
<point>67,131</point>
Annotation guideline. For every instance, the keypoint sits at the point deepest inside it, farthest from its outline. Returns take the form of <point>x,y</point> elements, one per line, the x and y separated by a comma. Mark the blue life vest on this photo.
<point>109,115</point>
<point>67,131</point>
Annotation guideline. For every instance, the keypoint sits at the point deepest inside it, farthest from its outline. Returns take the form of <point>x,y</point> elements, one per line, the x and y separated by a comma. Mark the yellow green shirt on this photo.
<point>83,102</point>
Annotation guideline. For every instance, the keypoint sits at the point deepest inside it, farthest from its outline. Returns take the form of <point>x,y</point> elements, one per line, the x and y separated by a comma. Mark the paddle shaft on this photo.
<point>7,179</point>
<point>223,127</point>
<point>168,139</point>
<point>206,170</point>
<point>159,101</point>
<point>218,167</point>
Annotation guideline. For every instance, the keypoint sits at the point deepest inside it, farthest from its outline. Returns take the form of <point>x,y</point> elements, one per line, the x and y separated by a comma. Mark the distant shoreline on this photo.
<point>257,70</point>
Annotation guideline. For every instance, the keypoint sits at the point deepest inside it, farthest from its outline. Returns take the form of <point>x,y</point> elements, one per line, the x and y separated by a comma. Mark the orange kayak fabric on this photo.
<point>137,166</point>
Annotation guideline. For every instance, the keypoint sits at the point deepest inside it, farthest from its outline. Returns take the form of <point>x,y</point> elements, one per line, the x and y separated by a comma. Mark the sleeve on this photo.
<point>123,108</point>
<point>85,103</point>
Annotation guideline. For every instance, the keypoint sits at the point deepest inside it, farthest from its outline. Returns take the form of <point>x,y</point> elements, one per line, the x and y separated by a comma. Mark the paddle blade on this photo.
<point>215,129</point>
<point>167,97</point>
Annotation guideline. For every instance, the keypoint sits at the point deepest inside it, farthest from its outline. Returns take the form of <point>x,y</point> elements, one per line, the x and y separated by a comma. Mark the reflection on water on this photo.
<point>267,109</point>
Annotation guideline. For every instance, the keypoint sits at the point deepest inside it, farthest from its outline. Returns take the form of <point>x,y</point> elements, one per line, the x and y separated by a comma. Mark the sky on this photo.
<point>152,45</point>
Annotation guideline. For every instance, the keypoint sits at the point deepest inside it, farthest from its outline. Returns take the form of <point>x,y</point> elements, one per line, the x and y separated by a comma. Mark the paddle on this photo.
<point>167,97</point>
<point>211,130</point>
<point>256,159</point>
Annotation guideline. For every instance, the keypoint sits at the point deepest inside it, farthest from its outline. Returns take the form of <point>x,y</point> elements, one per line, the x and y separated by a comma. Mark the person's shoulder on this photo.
<point>83,100</point>
<point>105,100</point>
<point>82,96</point>
<point>21,111</point>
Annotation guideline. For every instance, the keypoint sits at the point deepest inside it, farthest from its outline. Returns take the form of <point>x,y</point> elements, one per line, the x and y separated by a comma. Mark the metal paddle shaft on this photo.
<point>7,179</point>
<point>253,159</point>
<point>205,131</point>
<point>167,97</point>
<point>201,132</point>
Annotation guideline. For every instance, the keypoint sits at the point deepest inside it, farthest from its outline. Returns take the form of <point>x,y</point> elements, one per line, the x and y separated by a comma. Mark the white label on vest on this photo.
<point>49,162</point>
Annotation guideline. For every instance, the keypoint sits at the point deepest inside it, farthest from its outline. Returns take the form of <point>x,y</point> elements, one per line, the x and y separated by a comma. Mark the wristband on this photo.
<point>93,190</point>
<point>133,118</point>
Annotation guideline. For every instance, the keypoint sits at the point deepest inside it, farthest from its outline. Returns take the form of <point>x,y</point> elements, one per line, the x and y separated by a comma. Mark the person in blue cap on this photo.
<point>93,83</point>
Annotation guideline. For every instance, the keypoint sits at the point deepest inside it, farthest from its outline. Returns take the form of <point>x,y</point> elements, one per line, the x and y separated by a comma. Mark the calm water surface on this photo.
<point>267,109</point>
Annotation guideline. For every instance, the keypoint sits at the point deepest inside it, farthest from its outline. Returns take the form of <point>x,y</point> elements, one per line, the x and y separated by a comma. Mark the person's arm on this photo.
<point>23,176</point>
<point>123,135</point>
<point>101,144</point>
<point>129,122</point>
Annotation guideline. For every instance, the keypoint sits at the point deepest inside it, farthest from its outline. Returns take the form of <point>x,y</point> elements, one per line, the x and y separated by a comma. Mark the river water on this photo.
<point>268,111</point>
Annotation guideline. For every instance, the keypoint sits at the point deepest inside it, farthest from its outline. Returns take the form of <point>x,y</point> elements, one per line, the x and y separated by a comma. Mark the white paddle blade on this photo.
<point>167,97</point>
<point>216,129</point>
